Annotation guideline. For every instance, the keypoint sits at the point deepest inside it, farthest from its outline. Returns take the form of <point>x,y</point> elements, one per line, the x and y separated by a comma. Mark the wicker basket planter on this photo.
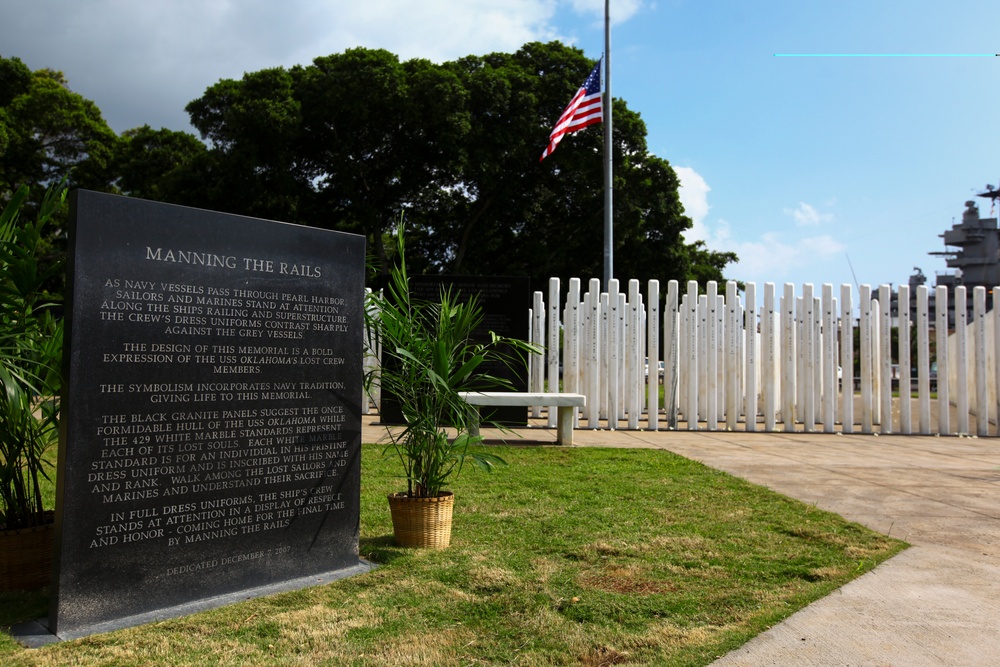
<point>26,558</point>
<point>422,522</point>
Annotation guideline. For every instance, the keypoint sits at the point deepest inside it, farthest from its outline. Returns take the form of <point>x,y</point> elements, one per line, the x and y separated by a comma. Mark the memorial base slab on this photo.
<point>35,634</point>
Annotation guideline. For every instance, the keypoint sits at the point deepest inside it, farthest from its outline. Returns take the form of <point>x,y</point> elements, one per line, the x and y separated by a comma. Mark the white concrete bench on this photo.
<point>565,402</point>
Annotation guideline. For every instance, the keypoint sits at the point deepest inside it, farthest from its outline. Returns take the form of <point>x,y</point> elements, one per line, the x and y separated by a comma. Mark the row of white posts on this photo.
<point>735,363</point>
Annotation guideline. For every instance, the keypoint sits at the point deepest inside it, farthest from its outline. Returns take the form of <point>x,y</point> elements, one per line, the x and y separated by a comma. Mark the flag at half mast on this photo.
<point>583,110</point>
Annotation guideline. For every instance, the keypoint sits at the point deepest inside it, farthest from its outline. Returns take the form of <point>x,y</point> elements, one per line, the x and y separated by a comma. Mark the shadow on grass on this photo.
<point>382,550</point>
<point>518,442</point>
<point>21,606</point>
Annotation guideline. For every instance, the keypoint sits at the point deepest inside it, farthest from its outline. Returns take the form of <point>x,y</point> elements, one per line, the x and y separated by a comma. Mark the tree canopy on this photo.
<point>48,132</point>
<point>356,139</point>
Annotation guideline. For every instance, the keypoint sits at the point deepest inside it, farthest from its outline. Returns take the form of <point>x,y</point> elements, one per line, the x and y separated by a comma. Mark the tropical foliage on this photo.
<point>428,358</point>
<point>30,358</point>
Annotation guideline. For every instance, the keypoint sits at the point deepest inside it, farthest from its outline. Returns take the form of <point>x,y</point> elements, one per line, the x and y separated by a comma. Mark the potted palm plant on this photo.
<point>428,358</point>
<point>30,359</point>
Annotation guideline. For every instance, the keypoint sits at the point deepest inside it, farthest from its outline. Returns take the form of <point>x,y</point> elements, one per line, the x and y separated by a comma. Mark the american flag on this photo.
<point>583,110</point>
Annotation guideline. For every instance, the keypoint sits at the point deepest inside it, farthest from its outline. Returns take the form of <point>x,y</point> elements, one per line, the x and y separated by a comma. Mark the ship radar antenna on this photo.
<point>990,192</point>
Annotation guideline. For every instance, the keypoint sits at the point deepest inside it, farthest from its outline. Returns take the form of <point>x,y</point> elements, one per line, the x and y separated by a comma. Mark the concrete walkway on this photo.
<point>937,603</point>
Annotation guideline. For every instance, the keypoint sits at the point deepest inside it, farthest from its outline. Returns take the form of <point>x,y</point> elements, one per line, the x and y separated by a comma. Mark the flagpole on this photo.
<point>609,271</point>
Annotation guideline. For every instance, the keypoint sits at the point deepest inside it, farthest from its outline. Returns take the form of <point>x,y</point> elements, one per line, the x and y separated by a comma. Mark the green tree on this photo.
<point>707,264</point>
<point>257,166</point>
<point>516,215</point>
<point>49,133</point>
<point>15,80</point>
<point>161,165</point>
<point>344,143</point>
<point>49,136</point>
<point>354,139</point>
<point>381,135</point>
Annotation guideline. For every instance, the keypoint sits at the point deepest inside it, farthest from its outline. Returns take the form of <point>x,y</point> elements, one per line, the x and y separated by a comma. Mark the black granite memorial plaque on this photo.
<point>505,301</point>
<point>211,414</point>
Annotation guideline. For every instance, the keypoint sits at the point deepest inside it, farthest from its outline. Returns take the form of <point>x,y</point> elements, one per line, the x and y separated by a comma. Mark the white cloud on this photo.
<point>772,256</point>
<point>143,61</point>
<point>693,194</point>
<point>621,10</point>
<point>807,216</point>
<point>438,29</point>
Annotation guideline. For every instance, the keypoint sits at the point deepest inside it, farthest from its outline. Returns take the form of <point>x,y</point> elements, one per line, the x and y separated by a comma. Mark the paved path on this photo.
<point>937,603</point>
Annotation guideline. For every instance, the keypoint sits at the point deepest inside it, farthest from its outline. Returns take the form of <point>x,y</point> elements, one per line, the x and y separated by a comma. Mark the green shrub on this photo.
<point>30,358</point>
<point>428,358</point>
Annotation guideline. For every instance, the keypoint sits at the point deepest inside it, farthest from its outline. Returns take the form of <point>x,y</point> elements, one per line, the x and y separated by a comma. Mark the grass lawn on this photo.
<point>566,557</point>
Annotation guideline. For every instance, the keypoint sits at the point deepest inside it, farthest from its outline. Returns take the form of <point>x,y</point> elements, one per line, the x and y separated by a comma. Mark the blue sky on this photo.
<point>803,166</point>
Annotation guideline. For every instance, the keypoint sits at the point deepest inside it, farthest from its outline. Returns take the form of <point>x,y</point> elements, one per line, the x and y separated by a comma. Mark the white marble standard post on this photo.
<point>865,329</point>
<point>846,360</point>
<point>614,345</point>
<point>788,356</point>
<point>808,360</point>
<point>712,359</point>
<point>571,346</point>
<point>941,331</point>
<point>732,333</point>
<point>683,331</point>
<point>622,347</point>
<point>586,329</point>
<point>653,356</point>
<point>586,348</point>
<point>627,361</point>
<point>741,356</point>
<point>770,360</point>
<point>634,354</point>
<point>594,355</point>
<point>961,360</point>
<point>923,362</point>
<point>905,380</point>
<point>829,361</point>
<point>800,363</point>
<point>750,347</point>
<point>877,360</point>
<point>683,361</point>
<point>555,298</point>
<point>720,357</point>
<point>817,334</point>
<point>885,354</point>
<point>996,352</point>
<point>703,357</point>
<point>671,354</point>
<point>370,362</point>
<point>533,339</point>
<point>567,341</point>
<point>605,392</point>
<point>691,342</point>
<point>642,357</point>
<point>979,326</point>
<point>538,360</point>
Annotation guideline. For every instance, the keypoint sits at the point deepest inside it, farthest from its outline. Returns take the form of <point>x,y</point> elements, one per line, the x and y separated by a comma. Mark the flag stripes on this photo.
<point>583,110</point>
